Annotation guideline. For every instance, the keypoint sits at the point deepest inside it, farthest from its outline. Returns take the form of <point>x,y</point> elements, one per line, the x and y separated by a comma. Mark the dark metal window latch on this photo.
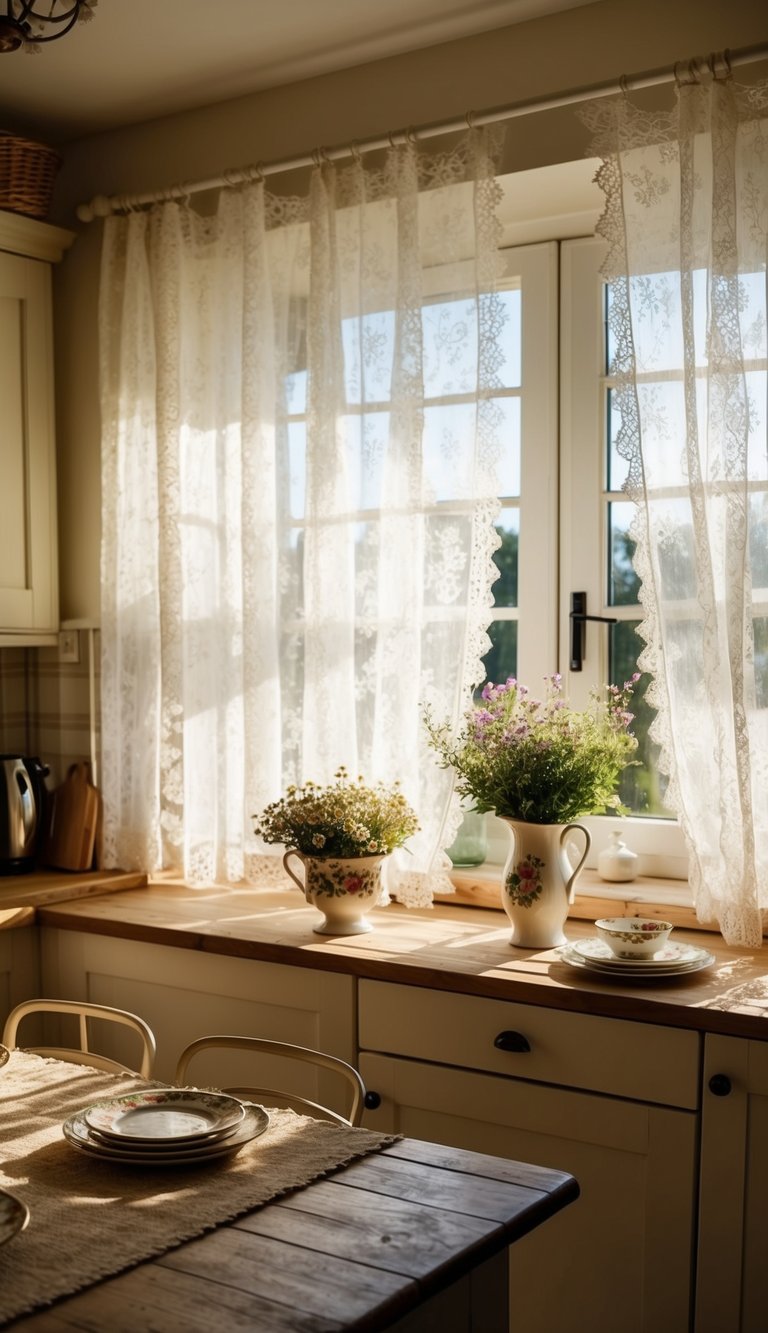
<point>578,617</point>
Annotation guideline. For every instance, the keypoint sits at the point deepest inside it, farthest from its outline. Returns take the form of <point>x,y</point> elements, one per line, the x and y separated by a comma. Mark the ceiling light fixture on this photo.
<point>29,23</point>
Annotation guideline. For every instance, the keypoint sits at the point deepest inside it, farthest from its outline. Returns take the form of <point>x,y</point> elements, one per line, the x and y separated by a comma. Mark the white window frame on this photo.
<point>563,429</point>
<point>583,527</point>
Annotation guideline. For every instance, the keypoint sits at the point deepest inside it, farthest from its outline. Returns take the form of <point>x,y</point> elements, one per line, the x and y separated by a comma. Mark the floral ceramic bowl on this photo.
<point>634,936</point>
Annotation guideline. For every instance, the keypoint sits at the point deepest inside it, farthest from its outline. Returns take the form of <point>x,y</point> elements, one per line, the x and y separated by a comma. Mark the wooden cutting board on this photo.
<point>75,812</point>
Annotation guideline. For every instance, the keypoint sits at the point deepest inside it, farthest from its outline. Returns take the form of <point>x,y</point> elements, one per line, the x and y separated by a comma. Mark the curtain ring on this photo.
<point>624,85</point>
<point>410,136</point>
<point>256,173</point>
<point>685,72</point>
<point>354,152</point>
<point>469,116</point>
<point>391,136</point>
<point>720,65</point>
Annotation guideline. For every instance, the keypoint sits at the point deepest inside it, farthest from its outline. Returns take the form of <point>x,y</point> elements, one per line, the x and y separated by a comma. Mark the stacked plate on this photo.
<point>165,1127</point>
<point>673,960</point>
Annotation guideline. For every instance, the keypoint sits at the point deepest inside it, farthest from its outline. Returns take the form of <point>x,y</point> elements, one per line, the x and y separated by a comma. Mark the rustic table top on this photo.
<point>354,1251</point>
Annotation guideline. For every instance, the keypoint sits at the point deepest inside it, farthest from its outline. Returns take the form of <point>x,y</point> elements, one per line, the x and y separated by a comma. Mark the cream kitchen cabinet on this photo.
<point>19,967</point>
<point>29,599</point>
<point>611,1101</point>
<point>734,1171</point>
<point>185,993</point>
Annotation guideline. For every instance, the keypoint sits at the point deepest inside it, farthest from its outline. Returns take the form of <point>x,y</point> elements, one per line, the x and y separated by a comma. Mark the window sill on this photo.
<point>669,899</point>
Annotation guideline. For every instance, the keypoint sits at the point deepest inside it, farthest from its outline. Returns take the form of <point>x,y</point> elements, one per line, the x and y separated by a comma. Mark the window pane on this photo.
<point>501,659</point>
<point>623,583</point>
<point>505,558</point>
<point>509,343</point>
<point>758,539</point>
<point>508,431</point>
<point>618,467</point>
<point>642,786</point>
<point>760,624</point>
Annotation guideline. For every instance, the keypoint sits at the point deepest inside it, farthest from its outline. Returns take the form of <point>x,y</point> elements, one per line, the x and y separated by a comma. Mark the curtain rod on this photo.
<point>101,206</point>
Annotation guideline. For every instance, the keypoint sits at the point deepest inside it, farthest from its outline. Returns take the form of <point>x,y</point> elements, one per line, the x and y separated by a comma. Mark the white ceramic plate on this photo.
<point>77,1132</point>
<point>14,1215</point>
<point>672,955</point>
<point>165,1115</point>
<point>645,972</point>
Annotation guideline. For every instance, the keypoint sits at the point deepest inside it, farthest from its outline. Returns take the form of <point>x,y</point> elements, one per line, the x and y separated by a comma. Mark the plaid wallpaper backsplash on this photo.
<point>44,705</point>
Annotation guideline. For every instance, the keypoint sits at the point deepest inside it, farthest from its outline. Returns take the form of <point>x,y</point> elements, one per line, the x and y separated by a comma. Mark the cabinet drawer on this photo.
<point>625,1059</point>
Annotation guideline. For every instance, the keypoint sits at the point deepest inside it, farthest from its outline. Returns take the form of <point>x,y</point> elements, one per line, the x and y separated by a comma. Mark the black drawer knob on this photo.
<point>512,1041</point>
<point>720,1085</point>
<point>372,1101</point>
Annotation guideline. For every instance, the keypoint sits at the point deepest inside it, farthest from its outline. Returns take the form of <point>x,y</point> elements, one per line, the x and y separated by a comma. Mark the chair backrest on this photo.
<point>84,1055</point>
<point>272,1096</point>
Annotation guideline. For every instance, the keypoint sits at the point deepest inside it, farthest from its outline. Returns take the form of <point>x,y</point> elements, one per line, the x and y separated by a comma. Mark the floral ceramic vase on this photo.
<point>344,889</point>
<point>538,882</point>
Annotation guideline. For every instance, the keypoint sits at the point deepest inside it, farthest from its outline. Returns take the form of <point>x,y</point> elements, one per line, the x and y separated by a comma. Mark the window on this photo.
<point>564,525</point>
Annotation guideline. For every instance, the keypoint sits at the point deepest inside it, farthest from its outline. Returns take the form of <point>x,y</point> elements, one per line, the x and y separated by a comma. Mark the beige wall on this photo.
<point>573,48</point>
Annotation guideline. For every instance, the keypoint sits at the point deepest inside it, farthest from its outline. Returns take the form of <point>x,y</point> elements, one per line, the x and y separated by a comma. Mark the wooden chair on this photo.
<point>271,1096</point>
<point>84,1055</point>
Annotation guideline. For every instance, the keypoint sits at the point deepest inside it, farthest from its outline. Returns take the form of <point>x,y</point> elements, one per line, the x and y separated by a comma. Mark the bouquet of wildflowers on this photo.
<point>346,818</point>
<point>537,759</point>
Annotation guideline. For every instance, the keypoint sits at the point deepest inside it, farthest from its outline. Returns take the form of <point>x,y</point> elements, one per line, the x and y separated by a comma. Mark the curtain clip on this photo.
<point>720,65</point>
<point>685,72</point>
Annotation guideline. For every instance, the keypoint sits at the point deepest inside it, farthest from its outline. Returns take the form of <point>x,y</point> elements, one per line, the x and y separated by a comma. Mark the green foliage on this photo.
<point>345,818</point>
<point>539,760</point>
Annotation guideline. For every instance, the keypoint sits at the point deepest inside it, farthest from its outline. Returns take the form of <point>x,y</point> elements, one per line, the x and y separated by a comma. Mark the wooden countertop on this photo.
<point>461,949</point>
<point>56,886</point>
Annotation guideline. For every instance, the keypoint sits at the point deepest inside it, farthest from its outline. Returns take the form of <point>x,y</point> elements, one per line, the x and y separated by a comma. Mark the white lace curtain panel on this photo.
<point>686,220</point>
<point>297,531</point>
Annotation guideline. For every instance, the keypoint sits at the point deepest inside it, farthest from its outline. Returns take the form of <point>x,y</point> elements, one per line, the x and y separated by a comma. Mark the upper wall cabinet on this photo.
<point>29,593</point>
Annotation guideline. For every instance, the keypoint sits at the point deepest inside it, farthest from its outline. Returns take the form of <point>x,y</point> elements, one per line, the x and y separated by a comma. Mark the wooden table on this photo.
<point>412,1238</point>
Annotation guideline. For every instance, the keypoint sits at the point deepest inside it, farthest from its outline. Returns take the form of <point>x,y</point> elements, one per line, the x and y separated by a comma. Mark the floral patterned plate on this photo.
<point>77,1131</point>
<point>5,1056</point>
<point>14,1215</point>
<point>165,1114</point>
<point>639,972</point>
<point>671,955</point>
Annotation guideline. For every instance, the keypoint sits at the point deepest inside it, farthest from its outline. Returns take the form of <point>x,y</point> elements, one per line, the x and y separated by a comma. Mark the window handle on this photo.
<point>578,616</point>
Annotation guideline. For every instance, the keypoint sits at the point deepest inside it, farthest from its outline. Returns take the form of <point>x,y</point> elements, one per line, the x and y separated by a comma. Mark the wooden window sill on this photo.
<point>666,899</point>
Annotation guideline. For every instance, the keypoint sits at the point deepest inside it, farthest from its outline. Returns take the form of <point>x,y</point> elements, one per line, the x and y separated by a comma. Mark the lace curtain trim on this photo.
<point>648,159</point>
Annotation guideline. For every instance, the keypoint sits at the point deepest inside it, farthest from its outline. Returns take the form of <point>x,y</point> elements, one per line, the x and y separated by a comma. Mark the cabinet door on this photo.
<point>620,1257</point>
<point>184,994</point>
<point>19,968</point>
<point>730,1288</point>
<point>28,543</point>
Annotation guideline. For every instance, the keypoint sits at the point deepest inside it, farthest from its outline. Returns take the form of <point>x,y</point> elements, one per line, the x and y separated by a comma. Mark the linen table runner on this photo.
<point>91,1219</point>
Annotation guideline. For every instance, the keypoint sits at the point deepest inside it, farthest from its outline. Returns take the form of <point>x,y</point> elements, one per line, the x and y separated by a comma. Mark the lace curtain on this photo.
<point>299,479</point>
<point>686,221</point>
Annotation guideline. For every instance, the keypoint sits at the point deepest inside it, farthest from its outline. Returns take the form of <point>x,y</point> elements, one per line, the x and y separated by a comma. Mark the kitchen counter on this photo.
<point>460,949</point>
<point>57,886</point>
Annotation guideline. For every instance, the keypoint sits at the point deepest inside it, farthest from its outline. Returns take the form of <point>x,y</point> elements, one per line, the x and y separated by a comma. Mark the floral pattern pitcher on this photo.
<point>539,881</point>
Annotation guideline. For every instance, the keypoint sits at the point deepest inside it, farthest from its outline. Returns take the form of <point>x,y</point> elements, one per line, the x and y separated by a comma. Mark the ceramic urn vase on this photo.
<point>539,880</point>
<point>344,889</point>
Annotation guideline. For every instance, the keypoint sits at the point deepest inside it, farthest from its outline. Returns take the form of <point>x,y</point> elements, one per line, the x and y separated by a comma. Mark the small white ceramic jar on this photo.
<point>617,863</point>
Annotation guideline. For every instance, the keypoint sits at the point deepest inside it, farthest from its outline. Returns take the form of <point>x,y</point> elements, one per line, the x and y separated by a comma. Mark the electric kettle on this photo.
<point>22,812</point>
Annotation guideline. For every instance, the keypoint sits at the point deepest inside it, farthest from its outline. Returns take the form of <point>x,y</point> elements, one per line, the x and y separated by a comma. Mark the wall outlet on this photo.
<point>69,645</point>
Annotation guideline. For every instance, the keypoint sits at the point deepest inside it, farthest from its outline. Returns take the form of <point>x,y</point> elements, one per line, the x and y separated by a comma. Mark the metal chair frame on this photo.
<point>83,1056</point>
<point>272,1096</point>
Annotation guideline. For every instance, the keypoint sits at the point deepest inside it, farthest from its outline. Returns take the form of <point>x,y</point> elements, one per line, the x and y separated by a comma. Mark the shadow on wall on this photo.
<point>45,704</point>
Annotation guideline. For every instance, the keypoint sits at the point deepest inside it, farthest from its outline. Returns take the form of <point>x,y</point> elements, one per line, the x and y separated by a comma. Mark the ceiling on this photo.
<point>139,59</point>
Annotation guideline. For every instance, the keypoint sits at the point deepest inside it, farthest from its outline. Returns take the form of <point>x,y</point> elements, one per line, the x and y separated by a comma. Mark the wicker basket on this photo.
<point>27,173</point>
